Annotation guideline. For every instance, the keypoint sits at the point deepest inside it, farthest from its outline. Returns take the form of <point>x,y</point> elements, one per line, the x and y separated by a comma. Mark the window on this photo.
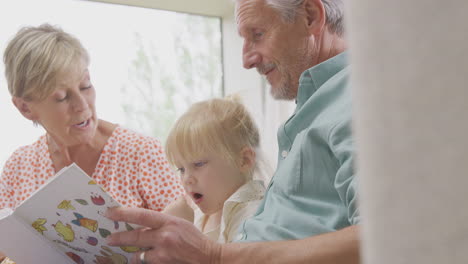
<point>147,65</point>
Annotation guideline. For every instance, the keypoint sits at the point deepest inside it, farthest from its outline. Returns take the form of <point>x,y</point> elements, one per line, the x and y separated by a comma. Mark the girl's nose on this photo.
<point>188,179</point>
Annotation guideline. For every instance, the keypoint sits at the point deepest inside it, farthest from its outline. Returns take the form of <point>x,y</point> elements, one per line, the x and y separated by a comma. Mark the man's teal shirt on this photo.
<point>313,190</point>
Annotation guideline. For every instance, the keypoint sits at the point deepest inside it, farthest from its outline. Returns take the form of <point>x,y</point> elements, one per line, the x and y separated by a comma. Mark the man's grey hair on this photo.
<point>334,10</point>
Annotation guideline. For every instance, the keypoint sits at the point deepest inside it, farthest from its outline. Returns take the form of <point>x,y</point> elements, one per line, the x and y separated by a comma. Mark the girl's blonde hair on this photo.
<point>221,126</point>
<point>37,57</point>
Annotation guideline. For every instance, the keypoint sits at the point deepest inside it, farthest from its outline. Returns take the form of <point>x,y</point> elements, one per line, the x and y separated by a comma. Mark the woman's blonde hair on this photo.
<point>221,126</point>
<point>37,57</point>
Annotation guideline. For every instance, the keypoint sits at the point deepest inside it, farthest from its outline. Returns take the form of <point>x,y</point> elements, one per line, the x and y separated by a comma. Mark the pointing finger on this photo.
<point>139,216</point>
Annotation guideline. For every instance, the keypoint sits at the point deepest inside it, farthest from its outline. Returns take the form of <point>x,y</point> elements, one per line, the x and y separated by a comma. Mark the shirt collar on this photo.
<point>311,79</point>
<point>252,190</point>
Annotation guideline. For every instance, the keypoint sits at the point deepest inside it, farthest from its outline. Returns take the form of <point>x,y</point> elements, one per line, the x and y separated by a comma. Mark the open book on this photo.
<point>63,222</point>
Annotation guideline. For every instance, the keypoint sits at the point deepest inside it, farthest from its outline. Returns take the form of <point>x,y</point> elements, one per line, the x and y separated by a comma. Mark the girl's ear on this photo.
<point>24,107</point>
<point>247,160</point>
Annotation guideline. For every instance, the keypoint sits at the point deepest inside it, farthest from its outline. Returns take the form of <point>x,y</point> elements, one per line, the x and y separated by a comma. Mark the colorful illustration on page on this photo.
<point>74,221</point>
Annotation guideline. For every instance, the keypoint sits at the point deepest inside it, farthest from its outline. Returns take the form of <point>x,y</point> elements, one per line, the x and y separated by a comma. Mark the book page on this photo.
<point>13,233</point>
<point>68,211</point>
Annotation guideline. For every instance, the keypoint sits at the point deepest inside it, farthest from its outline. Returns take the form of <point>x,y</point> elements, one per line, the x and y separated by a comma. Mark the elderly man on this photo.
<point>309,214</point>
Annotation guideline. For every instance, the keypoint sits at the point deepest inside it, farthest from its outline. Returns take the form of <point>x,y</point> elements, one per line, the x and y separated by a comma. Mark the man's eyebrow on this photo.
<point>245,29</point>
<point>240,31</point>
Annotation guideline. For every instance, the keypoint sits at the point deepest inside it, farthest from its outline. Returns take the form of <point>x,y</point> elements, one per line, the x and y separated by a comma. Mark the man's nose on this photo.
<point>250,58</point>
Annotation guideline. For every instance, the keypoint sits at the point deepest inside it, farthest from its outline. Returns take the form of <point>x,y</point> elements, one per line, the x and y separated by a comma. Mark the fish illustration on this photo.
<point>109,256</point>
<point>85,222</point>
<point>65,231</point>
<point>130,249</point>
<point>77,259</point>
<point>81,201</point>
<point>39,225</point>
<point>98,200</point>
<point>129,227</point>
<point>92,241</point>
<point>66,205</point>
<point>104,232</point>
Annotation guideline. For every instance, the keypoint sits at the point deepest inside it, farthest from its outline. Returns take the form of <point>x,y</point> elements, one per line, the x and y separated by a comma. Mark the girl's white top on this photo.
<point>238,207</point>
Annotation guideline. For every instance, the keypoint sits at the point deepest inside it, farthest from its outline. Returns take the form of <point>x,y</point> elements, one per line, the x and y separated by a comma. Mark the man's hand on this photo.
<point>168,239</point>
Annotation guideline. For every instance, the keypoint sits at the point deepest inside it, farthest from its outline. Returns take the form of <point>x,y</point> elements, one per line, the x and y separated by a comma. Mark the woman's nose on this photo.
<point>80,103</point>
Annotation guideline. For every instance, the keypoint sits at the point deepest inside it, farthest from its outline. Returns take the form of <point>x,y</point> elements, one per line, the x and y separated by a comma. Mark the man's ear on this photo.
<point>247,160</point>
<point>315,15</point>
<point>24,107</point>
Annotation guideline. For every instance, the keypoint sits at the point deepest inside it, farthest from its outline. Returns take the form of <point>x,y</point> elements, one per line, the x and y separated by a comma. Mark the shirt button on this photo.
<point>284,154</point>
<point>239,236</point>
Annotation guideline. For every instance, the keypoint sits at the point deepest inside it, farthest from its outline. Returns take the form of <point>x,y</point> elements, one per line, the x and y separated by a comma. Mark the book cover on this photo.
<point>63,222</point>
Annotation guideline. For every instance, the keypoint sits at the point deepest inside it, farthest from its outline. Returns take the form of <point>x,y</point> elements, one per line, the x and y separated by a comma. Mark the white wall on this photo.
<point>410,64</point>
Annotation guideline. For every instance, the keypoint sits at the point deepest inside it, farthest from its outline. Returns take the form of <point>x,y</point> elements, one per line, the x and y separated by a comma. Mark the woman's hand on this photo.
<point>168,239</point>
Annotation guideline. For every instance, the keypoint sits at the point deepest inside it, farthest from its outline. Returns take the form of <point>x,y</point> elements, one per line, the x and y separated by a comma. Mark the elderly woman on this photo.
<point>48,78</point>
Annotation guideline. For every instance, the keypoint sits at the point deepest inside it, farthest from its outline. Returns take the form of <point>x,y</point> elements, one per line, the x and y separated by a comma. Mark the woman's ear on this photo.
<point>314,15</point>
<point>24,107</point>
<point>247,160</point>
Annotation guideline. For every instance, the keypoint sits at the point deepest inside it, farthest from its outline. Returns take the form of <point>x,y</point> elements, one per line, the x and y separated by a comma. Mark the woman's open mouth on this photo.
<point>83,124</point>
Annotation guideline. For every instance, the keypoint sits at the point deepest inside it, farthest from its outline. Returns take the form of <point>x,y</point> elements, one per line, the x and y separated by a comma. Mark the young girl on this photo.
<point>214,147</point>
